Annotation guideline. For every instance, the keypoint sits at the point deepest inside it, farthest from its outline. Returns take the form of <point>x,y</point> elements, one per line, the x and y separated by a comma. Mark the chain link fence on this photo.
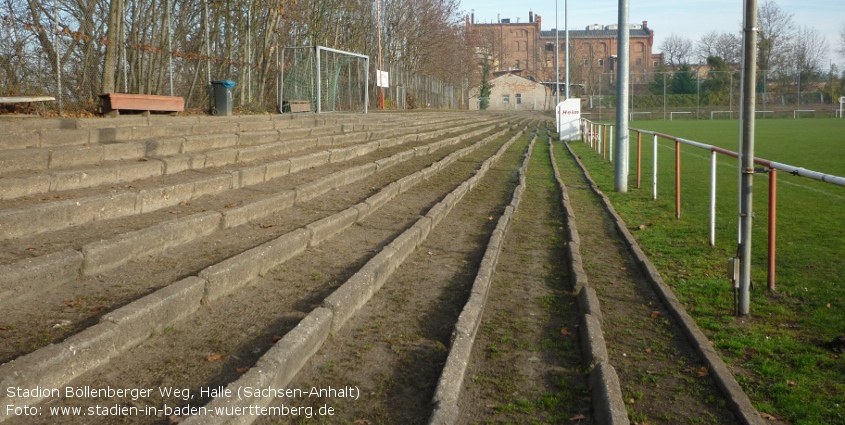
<point>716,95</point>
<point>60,48</point>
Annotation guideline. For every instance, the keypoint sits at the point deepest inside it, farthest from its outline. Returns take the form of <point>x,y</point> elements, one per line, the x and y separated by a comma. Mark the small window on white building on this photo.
<point>518,98</point>
<point>506,98</point>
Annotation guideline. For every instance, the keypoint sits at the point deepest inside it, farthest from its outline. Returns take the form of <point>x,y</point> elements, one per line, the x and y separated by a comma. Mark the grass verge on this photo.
<point>779,352</point>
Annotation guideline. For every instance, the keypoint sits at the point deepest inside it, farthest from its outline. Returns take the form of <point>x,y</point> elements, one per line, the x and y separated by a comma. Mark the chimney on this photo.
<point>499,17</point>
<point>645,24</point>
<point>539,22</point>
<point>472,19</point>
<point>530,17</point>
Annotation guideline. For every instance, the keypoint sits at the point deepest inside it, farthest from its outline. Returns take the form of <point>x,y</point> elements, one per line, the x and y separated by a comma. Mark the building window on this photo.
<point>518,45</point>
<point>654,64</point>
<point>517,64</point>
<point>506,98</point>
<point>601,62</point>
<point>586,62</point>
<point>518,98</point>
<point>550,47</point>
<point>639,61</point>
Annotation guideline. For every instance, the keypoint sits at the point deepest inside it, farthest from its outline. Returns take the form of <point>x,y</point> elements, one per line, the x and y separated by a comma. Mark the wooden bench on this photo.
<point>26,99</point>
<point>112,103</point>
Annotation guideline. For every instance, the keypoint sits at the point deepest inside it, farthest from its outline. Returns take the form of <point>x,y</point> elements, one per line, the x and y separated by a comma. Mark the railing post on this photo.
<point>773,198</point>
<point>604,143</point>
<point>712,198</point>
<point>654,170</point>
<point>677,179</point>
<point>610,153</point>
<point>639,158</point>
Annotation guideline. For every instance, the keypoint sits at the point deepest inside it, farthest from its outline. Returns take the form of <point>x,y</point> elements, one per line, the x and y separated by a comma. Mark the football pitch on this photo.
<point>781,352</point>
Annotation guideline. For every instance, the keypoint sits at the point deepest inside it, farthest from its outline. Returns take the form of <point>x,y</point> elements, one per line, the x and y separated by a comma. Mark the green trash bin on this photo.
<point>221,94</point>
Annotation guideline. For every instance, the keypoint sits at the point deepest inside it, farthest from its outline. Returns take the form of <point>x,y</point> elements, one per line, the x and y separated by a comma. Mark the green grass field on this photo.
<point>783,363</point>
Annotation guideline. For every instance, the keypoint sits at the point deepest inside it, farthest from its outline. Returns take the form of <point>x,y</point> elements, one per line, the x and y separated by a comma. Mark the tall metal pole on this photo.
<point>621,176</point>
<point>749,75</point>
<point>557,59</point>
<point>566,50</point>
<point>378,76</point>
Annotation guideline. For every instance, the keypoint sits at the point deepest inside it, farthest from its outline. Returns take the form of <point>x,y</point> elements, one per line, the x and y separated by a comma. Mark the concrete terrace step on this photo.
<point>91,166</point>
<point>166,139</point>
<point>133,323</point>
<point>36,217</point>
<point>51,133</point>
<point>104,255</point>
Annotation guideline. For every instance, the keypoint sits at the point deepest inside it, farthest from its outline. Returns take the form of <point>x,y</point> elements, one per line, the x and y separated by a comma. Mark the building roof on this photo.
<point>634,33</point>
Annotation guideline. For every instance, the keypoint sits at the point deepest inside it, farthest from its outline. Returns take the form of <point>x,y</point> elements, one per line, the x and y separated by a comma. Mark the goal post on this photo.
<point>320,79</point>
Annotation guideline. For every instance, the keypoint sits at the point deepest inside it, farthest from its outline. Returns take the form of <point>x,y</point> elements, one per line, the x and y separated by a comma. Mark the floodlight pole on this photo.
<point>557,60</point>
<point>566,50</point>
<point>378,72</point>
<point>624,65</point>
<point>749,75</point>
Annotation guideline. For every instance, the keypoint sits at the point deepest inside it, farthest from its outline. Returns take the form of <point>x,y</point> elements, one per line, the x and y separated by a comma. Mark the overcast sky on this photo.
<point>688,18</point>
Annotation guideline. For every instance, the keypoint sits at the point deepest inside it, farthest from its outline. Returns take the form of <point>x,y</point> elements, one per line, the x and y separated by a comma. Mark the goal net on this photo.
<point>319,79</point>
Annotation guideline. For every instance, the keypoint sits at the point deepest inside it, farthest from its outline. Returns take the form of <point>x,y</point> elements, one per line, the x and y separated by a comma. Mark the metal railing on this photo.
<point>596,136</point>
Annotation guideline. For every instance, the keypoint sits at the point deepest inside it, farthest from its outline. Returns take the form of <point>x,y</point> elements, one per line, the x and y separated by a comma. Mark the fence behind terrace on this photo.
<point>166,47</point>
<point>716,95</point>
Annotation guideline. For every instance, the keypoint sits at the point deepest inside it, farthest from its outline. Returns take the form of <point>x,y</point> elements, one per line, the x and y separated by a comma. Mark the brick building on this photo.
<point>525,49</point>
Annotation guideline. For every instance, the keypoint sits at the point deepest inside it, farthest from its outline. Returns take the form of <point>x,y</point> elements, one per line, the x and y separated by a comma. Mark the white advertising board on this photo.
<point>568,115</point>
<point>382,79</point>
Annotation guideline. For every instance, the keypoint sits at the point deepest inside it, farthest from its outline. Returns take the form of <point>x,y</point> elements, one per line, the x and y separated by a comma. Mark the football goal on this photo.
<point>319,79</point>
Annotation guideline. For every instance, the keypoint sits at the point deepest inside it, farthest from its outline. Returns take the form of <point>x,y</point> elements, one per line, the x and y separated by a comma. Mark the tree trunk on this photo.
<point>110,64</point>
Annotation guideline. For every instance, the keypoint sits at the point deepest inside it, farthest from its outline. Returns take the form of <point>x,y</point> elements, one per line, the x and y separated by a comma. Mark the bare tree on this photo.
<point>842,40</point>
<point>808,49</point>
<point>706,46</point>
<point>678,50</point>
<point>726,46</point>
<point>776,30</point>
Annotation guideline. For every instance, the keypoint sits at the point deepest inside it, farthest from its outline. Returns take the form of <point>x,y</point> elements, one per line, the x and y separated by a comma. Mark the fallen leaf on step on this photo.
<point>702,372</point>
<point>655,314</point>
<point>275,338</point>
<point>232,205</point>
<point>215,357</point>
<point>242,370</point>
<point>564,331</point>
<point>578,417</point>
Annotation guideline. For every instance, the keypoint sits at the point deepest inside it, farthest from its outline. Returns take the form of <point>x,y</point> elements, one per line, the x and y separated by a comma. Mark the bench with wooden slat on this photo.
<point>26,99</point>
<point>112,103</point>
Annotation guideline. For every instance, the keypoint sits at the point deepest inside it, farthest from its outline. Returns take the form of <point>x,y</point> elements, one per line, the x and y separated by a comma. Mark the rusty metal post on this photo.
<point>604,143</point>
<point>773,199</point>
